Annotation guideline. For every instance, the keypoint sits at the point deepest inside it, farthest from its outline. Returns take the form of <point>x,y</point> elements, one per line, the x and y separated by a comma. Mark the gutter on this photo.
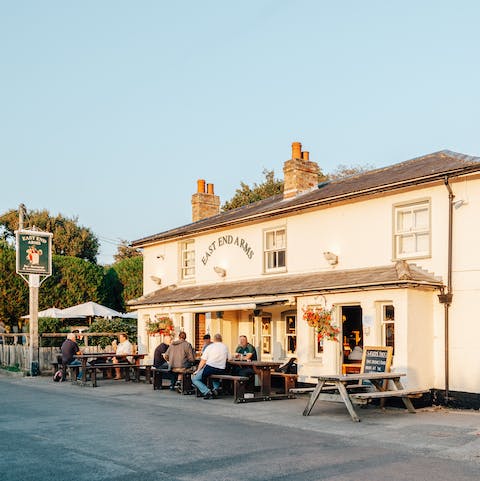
<point>446,298</point>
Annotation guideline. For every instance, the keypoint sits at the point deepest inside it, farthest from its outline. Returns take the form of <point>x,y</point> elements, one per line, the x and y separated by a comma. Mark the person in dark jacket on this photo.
<point>69,349</point>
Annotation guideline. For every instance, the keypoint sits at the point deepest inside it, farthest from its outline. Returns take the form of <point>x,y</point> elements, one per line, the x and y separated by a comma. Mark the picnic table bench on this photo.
<point>239,384</point>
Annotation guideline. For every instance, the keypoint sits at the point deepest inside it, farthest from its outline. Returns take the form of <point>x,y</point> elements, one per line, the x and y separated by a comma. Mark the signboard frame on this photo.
<point>31,257</point>
<point>384,361</point>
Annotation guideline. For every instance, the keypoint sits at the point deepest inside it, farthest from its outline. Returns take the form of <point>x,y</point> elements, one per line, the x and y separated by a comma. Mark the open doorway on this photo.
<point>352,335</point>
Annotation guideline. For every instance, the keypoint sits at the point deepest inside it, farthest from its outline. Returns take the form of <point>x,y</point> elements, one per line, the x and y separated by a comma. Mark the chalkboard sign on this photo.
<point>376,359</point>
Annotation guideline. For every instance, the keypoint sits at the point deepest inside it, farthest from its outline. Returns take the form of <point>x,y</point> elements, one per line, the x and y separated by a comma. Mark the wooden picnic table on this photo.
<point>263,370</point>
<point>338,387</point>
<point>84,357</point>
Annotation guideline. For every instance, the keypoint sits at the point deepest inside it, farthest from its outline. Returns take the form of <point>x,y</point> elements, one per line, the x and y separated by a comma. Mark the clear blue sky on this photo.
<point>110,110</point>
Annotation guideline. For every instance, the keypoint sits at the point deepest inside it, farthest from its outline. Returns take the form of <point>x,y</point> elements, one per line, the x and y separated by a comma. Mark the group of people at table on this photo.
<point>70,349</point>
<point>215,354</point>
<point>179,353</point>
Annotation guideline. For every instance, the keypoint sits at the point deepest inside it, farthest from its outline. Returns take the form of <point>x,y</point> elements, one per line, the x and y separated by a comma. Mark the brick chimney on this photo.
<point>204,203</point>
<point>299,173</point>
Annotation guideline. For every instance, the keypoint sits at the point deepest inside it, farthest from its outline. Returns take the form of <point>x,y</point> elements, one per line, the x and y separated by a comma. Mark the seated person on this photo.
<point>207,340</point>
<point>159,362</point>
<point>179,355</point>
<point>124,348</point>
<point>246,352</point>
<point>69,349</point>
<point>356,352</point>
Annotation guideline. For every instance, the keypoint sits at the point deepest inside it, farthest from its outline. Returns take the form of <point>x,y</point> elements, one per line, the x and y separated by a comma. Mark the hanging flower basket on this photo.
<point>321,319</point>
<point>161,326</point>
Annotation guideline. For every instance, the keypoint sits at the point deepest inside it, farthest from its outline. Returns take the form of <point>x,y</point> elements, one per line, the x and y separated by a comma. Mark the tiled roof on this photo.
<point>415,171</point>
<point>400,274</point>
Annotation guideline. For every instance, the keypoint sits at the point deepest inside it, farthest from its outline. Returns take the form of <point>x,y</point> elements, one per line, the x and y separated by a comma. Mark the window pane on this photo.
<point>404,221</point>
<point>270,240</point>
<point>406,244</point>
<point>280,240</point>
<point>422,242</point>
<point>421,219</point>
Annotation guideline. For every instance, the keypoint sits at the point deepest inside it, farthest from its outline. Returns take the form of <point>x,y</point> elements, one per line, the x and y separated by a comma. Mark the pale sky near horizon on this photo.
<point>110,111</point>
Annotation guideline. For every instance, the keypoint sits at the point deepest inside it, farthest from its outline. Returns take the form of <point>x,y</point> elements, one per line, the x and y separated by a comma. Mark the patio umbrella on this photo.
<point>91,309</point>
<point>130,315</point>
<point>53,312</point>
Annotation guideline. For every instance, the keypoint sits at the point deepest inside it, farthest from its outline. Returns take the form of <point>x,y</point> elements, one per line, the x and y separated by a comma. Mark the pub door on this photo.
<point>352,334</point>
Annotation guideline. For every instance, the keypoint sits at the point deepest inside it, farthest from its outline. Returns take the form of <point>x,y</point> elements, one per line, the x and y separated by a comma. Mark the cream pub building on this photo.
<point>394,252</point>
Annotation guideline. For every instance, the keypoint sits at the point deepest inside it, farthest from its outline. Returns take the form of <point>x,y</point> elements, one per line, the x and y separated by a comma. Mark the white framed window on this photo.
<point>290,318</point>
<point>187,260</point>
<point>275,248</point>
<point>412,230</point>
<point>266,336</point>
<point>388,326</point>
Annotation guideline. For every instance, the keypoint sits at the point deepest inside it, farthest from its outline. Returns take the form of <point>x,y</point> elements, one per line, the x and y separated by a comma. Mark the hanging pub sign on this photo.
<point>34,252</point>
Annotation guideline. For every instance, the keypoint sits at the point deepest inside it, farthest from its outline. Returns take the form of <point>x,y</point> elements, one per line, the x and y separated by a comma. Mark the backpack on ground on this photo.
<point>58,376</point>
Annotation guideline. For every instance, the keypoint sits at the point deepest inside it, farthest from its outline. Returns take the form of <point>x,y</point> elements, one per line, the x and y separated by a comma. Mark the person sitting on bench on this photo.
<point>179,355</point>
<point>213,361</point>
<point>246,352</point>
<point>124,347</point>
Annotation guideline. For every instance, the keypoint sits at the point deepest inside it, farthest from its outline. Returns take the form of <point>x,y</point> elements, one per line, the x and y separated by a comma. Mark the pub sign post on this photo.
<point>33,259</point>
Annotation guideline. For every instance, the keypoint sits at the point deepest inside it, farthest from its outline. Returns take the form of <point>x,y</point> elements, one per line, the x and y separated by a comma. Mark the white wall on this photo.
<point>360,233</point>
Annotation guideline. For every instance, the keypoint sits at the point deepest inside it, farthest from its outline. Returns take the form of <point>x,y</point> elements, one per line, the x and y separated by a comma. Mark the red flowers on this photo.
<point>161,325</point>
<point>321,319</point>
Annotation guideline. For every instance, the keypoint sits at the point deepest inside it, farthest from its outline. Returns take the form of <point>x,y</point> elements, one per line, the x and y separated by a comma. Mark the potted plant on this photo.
<point>162,325</point>
<point>321,319</point>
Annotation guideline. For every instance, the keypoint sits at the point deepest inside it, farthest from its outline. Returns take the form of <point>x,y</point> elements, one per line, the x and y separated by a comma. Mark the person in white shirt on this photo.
<point>124,348</point>
<point>213,361</point>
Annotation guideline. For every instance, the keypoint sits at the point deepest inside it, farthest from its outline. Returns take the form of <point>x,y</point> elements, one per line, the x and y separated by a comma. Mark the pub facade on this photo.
<point>392,254</point>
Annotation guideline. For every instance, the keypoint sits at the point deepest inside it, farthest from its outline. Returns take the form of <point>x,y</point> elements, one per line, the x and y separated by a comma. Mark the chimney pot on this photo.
<point>201,185</point>
<point>296,150</point>
<point>210,189</point>
<point>306,155</point>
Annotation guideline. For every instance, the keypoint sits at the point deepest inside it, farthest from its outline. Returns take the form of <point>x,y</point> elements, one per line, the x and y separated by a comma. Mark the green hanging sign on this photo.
<point>34,252</point>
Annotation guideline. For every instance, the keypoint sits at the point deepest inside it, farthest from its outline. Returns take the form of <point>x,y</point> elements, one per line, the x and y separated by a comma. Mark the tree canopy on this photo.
<point>247,195</point>
<point>69,238</point>
<point>271,186</point>
<point>125,251</point>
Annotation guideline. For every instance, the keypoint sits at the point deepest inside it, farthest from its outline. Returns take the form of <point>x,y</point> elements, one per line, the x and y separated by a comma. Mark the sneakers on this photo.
<point>208,395</point>
<point>214,393</point>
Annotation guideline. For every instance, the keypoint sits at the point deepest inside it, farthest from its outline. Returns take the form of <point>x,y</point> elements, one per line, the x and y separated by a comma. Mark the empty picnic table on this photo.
<point>340,387</point>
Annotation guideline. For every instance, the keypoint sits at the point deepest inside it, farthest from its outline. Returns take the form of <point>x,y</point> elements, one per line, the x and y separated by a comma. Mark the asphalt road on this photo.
<point>127,431</point>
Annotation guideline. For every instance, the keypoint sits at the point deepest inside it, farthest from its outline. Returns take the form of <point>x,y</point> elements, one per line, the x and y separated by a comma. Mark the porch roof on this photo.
<point>400,274</point>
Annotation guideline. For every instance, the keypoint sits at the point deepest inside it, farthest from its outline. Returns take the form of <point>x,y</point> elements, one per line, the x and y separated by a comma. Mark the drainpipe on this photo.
<point>446,298</point>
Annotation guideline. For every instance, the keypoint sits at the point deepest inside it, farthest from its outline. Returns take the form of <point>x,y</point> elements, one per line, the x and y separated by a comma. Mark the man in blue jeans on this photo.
<point>213,361</point>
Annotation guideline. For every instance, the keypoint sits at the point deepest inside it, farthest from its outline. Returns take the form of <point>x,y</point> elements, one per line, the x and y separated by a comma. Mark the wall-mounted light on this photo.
<point>219,314</point>
<point>257,312</point>
<point>156,279</point>
<point>220,271</point>
<point>161,257</point>
<point>331,258</point>
<point>458,203</point>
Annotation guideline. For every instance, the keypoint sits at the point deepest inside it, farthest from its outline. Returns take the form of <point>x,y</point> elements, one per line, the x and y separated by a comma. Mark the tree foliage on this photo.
<point>69,238</point>
<point>125,251</point>
<point>130,276</point>
<point>271,186</point>
<point>112,325</point>
<point>343,171</point>
<point>247,195</point>
<point>13,289</point>
<point>73,281</point>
